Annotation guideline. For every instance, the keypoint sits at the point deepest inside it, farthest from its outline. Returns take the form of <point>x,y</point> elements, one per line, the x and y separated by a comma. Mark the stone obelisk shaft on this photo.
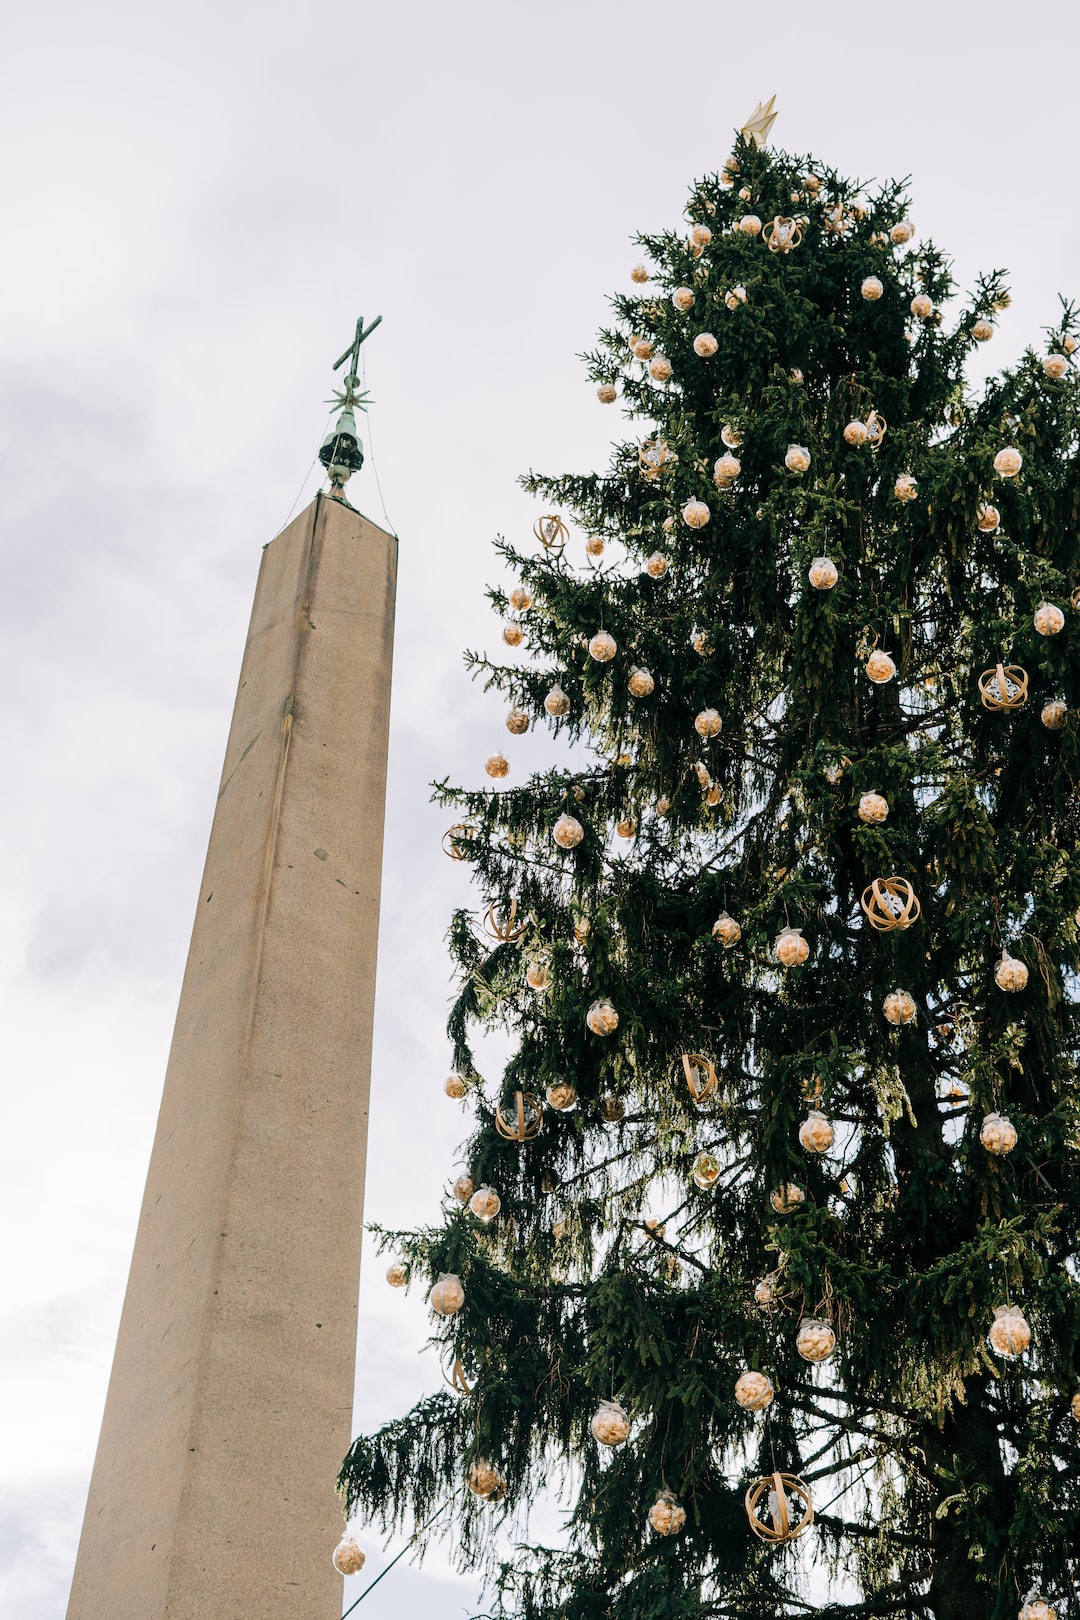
<point>230,1399</point>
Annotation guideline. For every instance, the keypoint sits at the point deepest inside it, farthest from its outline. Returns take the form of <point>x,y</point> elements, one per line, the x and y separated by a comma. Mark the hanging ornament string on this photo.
<point>412,1539</point>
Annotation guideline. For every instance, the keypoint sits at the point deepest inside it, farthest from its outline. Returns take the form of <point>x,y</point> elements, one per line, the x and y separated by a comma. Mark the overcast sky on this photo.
<point>198,200</point>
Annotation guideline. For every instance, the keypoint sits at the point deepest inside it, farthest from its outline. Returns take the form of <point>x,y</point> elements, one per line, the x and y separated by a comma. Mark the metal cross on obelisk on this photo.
<point>230,1400</point>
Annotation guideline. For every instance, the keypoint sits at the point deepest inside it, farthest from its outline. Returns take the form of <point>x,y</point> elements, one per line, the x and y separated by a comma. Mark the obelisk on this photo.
<point>229,1404</point>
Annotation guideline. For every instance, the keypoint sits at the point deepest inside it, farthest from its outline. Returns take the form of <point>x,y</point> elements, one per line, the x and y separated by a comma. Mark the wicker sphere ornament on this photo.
<point>695,514</point>
<point>879,667</point>
<point>612,1109</point>
<point>998,1134</point>
<point>823,574</point>
<point>447,1296</point>
<point>485,1480</point>
<point>551,531</point>
<point>397,1274</point>
<point>513,634</point>
<point>988,518</point>
<point>785,1199</point>
<point>519,1119</point>
<point>561,1096</point>
<point>455,1087</point>
<point>797,458</point>
<point>815,1340</point>
<point>779,1507</point>
<point>700,235</point>
<point>789,947</point>
<point>899,1007</point>
<point>1009,973</point>
<point>1010,1332</point>
<point>815,1133</point>
<point>656,565</point>
<point>485,1204</point>
<point>347,1558</point>
<point>610,1424</point>
<point>683,299</point>
<point>782,234</point>
<point>726,930</point>
<point>1008,461</point>
<point>856,433</point>
<point>640,682</point>
<point>517,722</point>
<point>1049,620</point>
<point>1055,366</point>
<point>607,393</point>
<point>1003,688</point>
<point>602,647</point>
<point>642,348</point>
<point>660,369</point>
<point>1054,714</point>
<point>462,1188</point>
<point>602,1017</point>
<point>700,1076</point>
<point>873,809</point>
<point>705,345</point>
<point>872,288</point>
<point>567,832</point>
<point>1037,1609</point>
<point>557,703</point>
<point>497,766</point>
<point>754,1391</point>
<point>667,1515</point>
<point>922,306</point>
<point>639,274</point>
<point>707,723</point>
<point>705,1171</point>
<point>726,469</point>
<point>890,904</point>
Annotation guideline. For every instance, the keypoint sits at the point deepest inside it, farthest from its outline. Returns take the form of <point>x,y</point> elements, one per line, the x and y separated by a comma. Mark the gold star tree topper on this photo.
<point>760,121</point>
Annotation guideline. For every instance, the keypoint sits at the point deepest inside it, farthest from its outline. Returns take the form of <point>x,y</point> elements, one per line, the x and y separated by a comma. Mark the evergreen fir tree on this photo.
<point>818,541</point>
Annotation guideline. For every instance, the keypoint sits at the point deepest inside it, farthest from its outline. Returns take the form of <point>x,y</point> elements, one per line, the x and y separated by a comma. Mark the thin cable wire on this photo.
<point>371,453</point>
<point>413,1538</point>
<point>307,475</point>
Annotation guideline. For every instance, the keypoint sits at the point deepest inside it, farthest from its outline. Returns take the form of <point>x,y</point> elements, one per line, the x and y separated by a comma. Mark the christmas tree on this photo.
<point>773,1216</point>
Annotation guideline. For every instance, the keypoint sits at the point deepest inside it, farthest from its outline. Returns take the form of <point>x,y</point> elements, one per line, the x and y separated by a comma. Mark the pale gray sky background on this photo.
<point>198,201</point>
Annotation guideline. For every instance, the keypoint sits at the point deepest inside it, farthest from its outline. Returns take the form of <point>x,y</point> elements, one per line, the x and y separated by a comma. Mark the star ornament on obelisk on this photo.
<point>760,122</point>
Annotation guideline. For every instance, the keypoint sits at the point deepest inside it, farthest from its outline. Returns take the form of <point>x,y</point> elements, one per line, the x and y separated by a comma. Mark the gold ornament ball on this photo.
<point>899,1007</point>
<point>607,393</point>
<point>396,1274</point>
<point>639,274</point>
<point>750,225</point>
<point>856,433</point>
<point>988,519</point>
<point>1049,620</point>
<point>880,667</point>
<point>815,1340</point>
<point>982,331</point>
<point>463,1187</point>
<point>627,827</point>
<point>513,634</point>
<point>700,235</point>
<point>785,1199</point>
<point>695,514</point>
<point>448,1296</point>
<point>485,1204</point>
<point>640,682</point>
<point>906,487</point>
<point>660,369</point>
<point>498,765</point>
<point>521,599</point>
<point>1055,366</point>
<point>873,809</point>
<point>602,647</point>
<point>789,947</point>
<point>567,832</point>
<point>612,1109</point>
<point>517,722</point>
<point>1054,714</point>
<point>754,1391</point>
<point>922,306</point>
<point>561,1096</point>
<point>701,644</point>
<point>594,545</point>
<point>765,1293</point>
<point>823,574</point>
<point>610,1424</point>
<point>1010,1333</point>
<point>536,975</point>
<point>735,297</point>
<point>1009,973</point>
<point>1008,461</point>
<point>485,1480</point>
<point>455,1087</point>
<point>1074,1405</point>
<point>726,469</point>
<point>1037,1609</point>
<point>656,565</point>
<point>663,805</point>
<point>643,348</point>
<point>872,288</point>
<point>705,1171</point>
<point>602,1018</point>
<point>667,1515</point>
<point>705,345</point>
<point>557,703</point>
<point>745,193</point>
<point>726,930</point>
<point>683,299</point>
<point>707,723</point>
<point>797,458</point>
<point>730,436</point>
<point>347,1558</point>
<point>815,1133</point>
<point>1068,343</point>
<point>998,1134</point>
<point>901,233</point>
